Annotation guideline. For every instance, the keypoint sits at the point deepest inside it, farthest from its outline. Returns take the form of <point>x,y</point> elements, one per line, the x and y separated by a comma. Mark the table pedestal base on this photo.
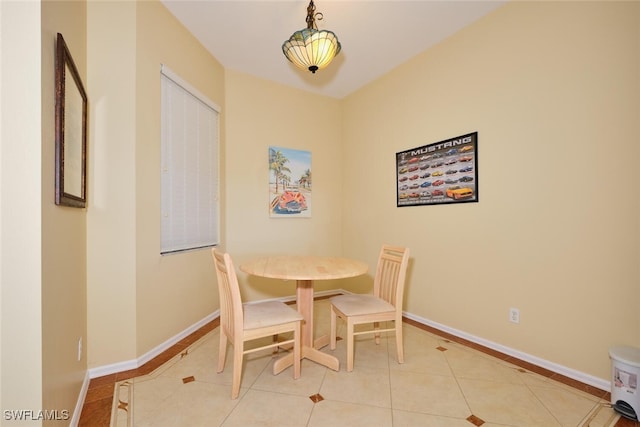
<point>311,353</point>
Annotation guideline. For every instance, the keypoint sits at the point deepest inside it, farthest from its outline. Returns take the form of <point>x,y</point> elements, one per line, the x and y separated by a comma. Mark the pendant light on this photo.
<point>311,49</point>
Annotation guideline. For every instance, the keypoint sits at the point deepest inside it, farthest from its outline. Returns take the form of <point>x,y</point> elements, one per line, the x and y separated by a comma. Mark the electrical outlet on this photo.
<point>514,315</point>
<point>79,349</point>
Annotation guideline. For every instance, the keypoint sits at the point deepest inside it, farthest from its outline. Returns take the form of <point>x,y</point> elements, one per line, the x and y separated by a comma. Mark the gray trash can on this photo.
<point>625,370</point>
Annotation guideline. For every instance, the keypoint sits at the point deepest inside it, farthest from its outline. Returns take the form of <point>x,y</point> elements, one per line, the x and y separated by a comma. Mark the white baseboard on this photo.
<point>77,411</point>
<point>554,367</point>
<point>136,363</point>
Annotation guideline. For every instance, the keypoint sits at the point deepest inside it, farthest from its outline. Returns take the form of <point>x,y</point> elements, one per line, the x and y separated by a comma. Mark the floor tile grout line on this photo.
<point>457,380</point>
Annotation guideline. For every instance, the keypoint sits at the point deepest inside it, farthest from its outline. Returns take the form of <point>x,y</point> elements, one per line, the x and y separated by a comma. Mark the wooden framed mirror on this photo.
<point>71,131</point>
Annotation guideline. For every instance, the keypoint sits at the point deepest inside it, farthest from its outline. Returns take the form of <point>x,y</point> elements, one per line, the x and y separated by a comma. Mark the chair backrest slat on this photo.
<point>391,274</point>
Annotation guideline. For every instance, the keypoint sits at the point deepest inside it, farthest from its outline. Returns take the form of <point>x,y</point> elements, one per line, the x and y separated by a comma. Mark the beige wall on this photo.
<point>63,229</point>
<point>111,262</point>
<point>181,287</point>
<point>552,89</point>
<point>137,298</point>
<point>43,245</point>
<point>21,206</point>
<point>261,114</point>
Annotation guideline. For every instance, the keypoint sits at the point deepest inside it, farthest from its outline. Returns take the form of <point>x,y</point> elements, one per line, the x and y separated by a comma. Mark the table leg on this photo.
<point>304,301</point>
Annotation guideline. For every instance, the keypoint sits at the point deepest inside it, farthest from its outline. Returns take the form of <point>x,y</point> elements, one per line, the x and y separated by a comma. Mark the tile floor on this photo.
<point>443,382</point>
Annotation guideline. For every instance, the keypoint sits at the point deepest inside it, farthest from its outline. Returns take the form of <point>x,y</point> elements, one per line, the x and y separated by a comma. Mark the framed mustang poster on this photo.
<point>440,173</point>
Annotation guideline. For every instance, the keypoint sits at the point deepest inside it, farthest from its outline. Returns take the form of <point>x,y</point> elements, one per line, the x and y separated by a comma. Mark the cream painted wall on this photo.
<point>260,114</point>
<point>111,252</point>
<point>21,215</point>
<point>553,90</point>
<point>63,234</point>
<point>181,287</point>
<point>137,298</point>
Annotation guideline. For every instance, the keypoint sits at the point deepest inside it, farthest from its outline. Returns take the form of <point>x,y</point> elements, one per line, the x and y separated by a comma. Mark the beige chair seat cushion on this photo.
<point>357,305</point>
<point>268,313</point>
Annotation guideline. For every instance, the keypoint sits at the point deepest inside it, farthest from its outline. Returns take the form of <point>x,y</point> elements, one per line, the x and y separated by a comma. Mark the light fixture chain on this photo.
<point>312,16</point>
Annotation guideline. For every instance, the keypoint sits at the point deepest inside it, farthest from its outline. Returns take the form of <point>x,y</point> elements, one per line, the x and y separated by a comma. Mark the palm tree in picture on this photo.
<point>277,162</point>
<point>305,179</point>
<point>286,180</point>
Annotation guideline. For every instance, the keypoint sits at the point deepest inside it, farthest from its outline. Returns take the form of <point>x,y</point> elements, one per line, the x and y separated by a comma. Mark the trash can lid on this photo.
<point>628,355</point>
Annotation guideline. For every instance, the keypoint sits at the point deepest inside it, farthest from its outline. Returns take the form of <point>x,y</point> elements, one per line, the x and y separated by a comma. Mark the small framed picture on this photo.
<point>290,183</point>
<point>444,172</point>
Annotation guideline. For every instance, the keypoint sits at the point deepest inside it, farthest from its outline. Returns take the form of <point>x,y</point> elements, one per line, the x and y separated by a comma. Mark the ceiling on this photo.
<point>376,36</point>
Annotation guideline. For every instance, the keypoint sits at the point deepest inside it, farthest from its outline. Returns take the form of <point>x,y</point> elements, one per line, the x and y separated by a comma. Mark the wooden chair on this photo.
<point>384,305</point>
<point>240,323</point>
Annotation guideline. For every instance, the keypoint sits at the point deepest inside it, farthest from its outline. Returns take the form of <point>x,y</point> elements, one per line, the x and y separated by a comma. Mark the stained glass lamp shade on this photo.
<point>311,49</point>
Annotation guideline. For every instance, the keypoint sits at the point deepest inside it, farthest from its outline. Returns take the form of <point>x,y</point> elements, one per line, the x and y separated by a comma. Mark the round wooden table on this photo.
<point>305,270</point>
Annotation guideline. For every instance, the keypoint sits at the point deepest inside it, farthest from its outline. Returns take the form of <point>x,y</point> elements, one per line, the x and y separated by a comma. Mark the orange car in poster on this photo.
<point>458,193</point>
<point>289,202</point>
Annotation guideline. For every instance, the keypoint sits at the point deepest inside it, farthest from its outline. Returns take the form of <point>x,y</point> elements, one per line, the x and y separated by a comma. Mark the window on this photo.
<point>189,167</point>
